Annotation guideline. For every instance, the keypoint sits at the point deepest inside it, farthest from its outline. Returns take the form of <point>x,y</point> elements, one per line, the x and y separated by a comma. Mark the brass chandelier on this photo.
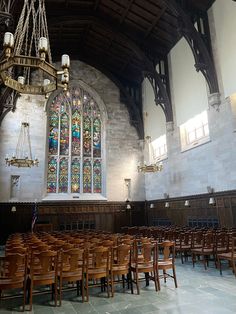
<point>150,168</point>
<point>23,155</point>
<point>28,55</point>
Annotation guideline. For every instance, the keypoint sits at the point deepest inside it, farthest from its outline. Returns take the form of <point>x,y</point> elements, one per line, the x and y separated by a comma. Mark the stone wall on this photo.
<point>123,150</point>
<point>211,164</point>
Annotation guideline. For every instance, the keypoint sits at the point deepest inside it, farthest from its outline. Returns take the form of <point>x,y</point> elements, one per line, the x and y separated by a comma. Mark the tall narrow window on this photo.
<point>74,144</point>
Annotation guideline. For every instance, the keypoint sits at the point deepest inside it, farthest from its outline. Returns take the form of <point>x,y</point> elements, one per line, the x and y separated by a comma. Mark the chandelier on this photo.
<point>27,65</point>
<point>151,167</point>
<point>23,155</point>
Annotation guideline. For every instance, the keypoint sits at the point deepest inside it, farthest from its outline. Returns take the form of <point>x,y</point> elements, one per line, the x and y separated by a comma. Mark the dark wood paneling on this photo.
<point>224,210</point>
<point>109,216</point>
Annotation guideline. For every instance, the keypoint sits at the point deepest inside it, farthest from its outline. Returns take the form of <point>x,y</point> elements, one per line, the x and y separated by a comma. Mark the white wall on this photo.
<point>122,143</point>
<point>224,16</point>
<point>189,93</point>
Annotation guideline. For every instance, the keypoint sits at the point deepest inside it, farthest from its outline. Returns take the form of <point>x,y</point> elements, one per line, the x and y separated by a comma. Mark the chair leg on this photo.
<point>60,291</point>
<point>164,274</point>
<point>55,292</point>
<point>31,295</point>
<point>234,267</point>
<point>181,255</point>
<point>147,279</point>
<point>131,282</point>
<point>174,275</point>
<point>219,263</point>
<point>193,259</point>
<point>24,295</point>
<point>137,283</point>
<point>205,261</point>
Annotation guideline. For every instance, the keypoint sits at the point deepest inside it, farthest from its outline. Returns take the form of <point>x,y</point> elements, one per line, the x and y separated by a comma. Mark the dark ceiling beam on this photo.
<point>155,21</point>
<point>202,57</point>
<point>96,5</point>
<point>124,14</point>
<point>74,19</point>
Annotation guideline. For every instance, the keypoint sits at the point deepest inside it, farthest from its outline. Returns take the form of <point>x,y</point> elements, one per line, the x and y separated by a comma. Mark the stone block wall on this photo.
<point>123,150</point>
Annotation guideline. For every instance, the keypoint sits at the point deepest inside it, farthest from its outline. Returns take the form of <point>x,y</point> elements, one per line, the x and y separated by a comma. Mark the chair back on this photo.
<point>168,249</point>
<point>121,255</point>
<point>13,266</point>
<point>44,262</point>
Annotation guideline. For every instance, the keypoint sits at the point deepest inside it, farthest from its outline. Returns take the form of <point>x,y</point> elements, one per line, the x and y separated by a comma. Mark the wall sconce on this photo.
<point>212,201</point>
<point>151,205</point>
<point>128,206</point>
<point>128,188</point>
<point>186,203</point>
<point>167,204</point>
<point>13,209</point>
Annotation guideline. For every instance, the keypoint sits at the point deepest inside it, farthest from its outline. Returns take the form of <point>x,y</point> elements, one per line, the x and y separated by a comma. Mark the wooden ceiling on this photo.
<point>109,34</point>
<point>122,38</point>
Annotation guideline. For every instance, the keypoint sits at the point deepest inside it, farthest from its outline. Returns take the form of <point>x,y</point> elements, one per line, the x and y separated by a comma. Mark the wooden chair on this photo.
<point>72,269</point>
<point>167,261</point>
<point>13,273</point>
<point>98,267</point>
<point>229,256</point>
<point>43,271</point>
<point>184,245</point>
<point>221,245</point>
<point>120,259</point>
<point>206,249</point>
<point>144,260</point>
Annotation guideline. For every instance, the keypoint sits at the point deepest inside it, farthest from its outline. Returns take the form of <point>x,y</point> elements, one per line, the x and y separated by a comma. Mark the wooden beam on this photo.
<point>126,11</point>
<point>155,21</point>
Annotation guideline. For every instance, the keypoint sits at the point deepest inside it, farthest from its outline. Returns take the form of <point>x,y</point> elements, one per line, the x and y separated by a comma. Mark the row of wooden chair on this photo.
<point>59,258</point>
<point>216,244</point>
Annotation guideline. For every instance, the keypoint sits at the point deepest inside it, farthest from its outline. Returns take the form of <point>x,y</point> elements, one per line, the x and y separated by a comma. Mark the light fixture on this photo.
<point>151,167</point>
<point>23,155</point>
<point>128,206</point>
<point>13,209</point>
<point>27,54</point>
<point>186,203</point>
<point>152,205</point>
<point>167,204</point>
<point>212,201</point>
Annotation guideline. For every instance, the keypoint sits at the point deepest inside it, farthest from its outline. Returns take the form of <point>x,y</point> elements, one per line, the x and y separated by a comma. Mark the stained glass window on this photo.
<point>74,144</point>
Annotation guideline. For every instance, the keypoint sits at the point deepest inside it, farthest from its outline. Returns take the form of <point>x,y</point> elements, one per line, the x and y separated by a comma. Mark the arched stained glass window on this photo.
<point>74,144</point>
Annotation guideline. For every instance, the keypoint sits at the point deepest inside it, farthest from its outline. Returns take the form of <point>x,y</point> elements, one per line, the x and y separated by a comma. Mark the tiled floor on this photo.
<point>200,291</point>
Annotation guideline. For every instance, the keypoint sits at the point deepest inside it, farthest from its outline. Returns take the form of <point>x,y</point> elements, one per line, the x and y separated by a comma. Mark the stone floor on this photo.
<point>200,291</point>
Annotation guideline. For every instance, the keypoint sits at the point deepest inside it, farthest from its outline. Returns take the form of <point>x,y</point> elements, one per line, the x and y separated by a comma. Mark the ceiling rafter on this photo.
<point>126,11</point>
<point>155,21</point>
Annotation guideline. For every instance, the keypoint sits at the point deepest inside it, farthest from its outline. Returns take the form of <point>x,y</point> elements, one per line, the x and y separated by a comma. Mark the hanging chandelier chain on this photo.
<point>45,28</point>
<point>21,28</point>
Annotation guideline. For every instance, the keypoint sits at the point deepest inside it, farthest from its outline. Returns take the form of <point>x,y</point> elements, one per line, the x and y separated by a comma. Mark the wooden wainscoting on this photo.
<point>108,216</point>
<point>199,213</point>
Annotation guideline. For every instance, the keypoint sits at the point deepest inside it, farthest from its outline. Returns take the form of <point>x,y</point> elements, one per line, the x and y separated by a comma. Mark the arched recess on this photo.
<point>148,70</point>
<point>92,108</point>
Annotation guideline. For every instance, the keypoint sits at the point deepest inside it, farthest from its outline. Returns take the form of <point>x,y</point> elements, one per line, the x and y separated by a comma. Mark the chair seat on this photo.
<point>202,252</point>
<point>226,256</point>
<point>222,250</point>
<point>11,281</point>
<point>119,267</point>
